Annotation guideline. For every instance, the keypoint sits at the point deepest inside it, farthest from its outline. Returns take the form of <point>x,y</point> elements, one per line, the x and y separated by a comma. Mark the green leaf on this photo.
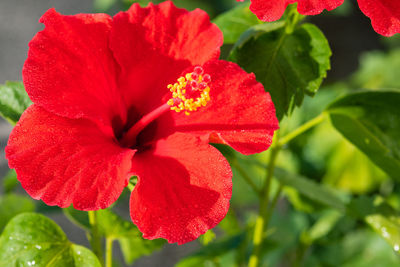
<point>289,65</point>
<point>388,228</point>
<point>10,181</point>
<point>11,205</point>
<point>370,120</point>
<point>112,226</point>
<point>32,239</point>
<point>322,227</point>
<point>311,189</point>
<point>132,244</point>
<point>236,21</point>
<point>78,217</point>
<point>13,101</point>
<point>378,214</point>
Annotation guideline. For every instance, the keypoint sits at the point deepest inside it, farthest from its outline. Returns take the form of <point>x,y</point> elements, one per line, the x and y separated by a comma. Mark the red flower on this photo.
<point>384,14</point>
<point>105,95</point>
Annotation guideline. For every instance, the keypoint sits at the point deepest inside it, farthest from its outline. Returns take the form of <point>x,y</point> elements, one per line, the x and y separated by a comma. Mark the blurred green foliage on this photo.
<point>338,207</point>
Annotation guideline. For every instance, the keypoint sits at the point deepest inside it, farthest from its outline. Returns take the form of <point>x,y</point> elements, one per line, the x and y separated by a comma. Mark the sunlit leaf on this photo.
<point>370,120</point>
<point>13,101</point>
<point>387,227</point>
<point>321,227</point>
<point>31,239</point>
<point>289,65</point>
<point>236,21</point>
<point>311,189</point>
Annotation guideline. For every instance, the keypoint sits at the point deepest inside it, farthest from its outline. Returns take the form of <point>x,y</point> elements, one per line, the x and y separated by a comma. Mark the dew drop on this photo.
<point>31,263</point>
<point>38,247</point>
<point>396,247</point>
<point>384,232</point>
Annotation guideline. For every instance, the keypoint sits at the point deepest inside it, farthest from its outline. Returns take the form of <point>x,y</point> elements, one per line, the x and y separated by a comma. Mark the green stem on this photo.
<point>109,248</point>
<point>245,176</point>
<point>262,219</point>
<point>273,204</point>
<point>308,125</point>
<point>95,239</point>
<point>293,18</point>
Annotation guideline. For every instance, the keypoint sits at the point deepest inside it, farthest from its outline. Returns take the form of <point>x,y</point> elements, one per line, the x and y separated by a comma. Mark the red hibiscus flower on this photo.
<point>142,94</point>
<point>384,14</point>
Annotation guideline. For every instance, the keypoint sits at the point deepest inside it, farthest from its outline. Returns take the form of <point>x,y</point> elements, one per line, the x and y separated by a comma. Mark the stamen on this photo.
<point>190,92</point>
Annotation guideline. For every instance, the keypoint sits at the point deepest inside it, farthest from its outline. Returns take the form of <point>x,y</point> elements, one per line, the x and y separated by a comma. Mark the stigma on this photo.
<point>190,92</point>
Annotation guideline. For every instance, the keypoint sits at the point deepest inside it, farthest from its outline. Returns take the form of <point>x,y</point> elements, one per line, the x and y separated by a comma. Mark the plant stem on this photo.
<point>246,177</point>
<point>273,204</point>
<point>306,126</point>
<point>109,248</point>
<point>262,218</point>
<point>95,239</point>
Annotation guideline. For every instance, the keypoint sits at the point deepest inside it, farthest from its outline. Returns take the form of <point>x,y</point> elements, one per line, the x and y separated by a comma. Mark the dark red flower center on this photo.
<point>189,93</point>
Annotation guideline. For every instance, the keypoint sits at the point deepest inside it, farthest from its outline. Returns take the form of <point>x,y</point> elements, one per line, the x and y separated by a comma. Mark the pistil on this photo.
<point>129,138</point>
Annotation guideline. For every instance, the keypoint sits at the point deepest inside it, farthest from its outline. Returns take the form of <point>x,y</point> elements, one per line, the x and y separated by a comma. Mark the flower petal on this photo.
<point>171,39</point>
<point>384,15</point>
<point>240,113</point>
<point>70,70</point>
<point>184,189</point>
<point>271,10</point>
<point>64,161</point>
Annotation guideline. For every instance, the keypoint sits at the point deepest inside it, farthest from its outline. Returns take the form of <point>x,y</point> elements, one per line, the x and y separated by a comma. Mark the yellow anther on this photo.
<point>196,97</point>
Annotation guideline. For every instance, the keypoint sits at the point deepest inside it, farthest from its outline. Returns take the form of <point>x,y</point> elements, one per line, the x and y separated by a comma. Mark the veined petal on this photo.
<point>171,39</point>
<point>70,70</point>
<point>271,10</point>
<point>240,113</point>
<point>184,189</point>
<point>384,15</point>
<point>68,161</point>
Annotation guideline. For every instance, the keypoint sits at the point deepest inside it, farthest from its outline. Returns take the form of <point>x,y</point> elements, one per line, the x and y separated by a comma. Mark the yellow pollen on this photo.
<point>190,92</point>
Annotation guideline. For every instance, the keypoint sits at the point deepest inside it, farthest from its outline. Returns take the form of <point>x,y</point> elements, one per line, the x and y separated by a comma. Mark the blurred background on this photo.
<point>361,58</point>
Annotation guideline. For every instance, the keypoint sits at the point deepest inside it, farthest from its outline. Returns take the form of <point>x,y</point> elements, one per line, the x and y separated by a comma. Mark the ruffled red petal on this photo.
<point>70,71</point>
<point>271,10</point>
<point>384,15</point>
<point>67,161</point>
<point>154,44</point>
<point>184,189</point>
<point>240,112</point>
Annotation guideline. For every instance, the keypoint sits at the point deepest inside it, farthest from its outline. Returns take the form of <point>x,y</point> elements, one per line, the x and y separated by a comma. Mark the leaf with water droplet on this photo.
<point>112,226</point>
<point>31,239</point>
<point>387,227</point>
